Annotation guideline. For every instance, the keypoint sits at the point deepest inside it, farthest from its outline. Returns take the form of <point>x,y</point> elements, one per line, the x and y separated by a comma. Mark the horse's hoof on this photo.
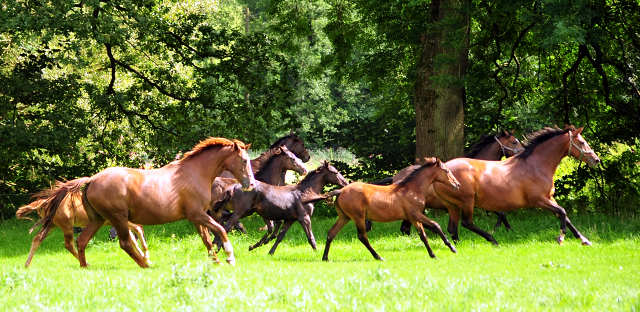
<point>585,242</point>
<point>560,239</point>
<point>380,259</point>
<point>453,249</point>
<point>231,261</point>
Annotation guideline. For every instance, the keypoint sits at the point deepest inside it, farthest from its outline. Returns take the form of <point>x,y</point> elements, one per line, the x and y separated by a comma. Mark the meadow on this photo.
<point>527,271</point>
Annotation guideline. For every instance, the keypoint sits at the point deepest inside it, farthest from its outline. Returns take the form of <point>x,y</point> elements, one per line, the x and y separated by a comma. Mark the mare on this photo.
<point>177,191</point>
<point>267,168</point>
<point>70,214</point>
<point>523,181</point>
<point>490,147</point>
<point>280,203</point>
<point>387,203</point>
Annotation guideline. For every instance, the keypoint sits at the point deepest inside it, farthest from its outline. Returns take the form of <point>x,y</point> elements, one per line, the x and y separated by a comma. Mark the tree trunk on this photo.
<point>439,102</point>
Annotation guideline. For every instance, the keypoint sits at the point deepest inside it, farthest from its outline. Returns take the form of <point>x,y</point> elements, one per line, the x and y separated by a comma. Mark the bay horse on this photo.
<point>267,168</point>
<point>490,147</point>
<point>280,203</point>
<point>177,191</point>
<point>293,143</point>
<point>71,213</point>
<point>523,181</point>
<point>387,203</point>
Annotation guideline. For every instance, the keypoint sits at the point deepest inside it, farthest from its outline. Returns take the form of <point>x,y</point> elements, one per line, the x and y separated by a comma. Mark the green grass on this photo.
<point>528,271</point>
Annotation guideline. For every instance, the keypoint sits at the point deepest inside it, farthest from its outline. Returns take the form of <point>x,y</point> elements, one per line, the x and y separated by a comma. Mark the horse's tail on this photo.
<point>51,200</point>
<point>310,197</point>
<point>385,181</point>
<point>223,200</point>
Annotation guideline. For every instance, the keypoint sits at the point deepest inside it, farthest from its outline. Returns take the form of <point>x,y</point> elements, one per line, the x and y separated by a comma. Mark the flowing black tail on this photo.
<point>223,200</point>
<point>311,197</point>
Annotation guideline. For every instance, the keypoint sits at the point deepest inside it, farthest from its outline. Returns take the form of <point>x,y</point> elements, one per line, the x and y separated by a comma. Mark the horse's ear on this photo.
<point>247,146</point>
<point>513,132</point>
<point>505,133</point>
<point>578,131</point>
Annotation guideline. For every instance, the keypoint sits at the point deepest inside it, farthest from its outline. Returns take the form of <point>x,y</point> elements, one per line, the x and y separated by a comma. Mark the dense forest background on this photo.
<point>99,83</point>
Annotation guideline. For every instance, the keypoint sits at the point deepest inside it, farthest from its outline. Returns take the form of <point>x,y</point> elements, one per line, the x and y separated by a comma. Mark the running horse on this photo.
<point>523,181</point>
<point>71,213</point>
<point>490,147</point>
<point>177,191</point>
<point>387,203</point>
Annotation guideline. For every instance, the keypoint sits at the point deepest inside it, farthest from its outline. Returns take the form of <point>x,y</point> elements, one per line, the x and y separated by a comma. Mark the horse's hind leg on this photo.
<point>306,226</point>
<point>277,226</point>
<point>362,236</point>
<point>423,237</point>
<point>285,227</point>
<point>551,205</point>
<point>126,239</point>
<point>405,228</point>
<point>434,227</point>
<point>467,222</point>
<point>83,239</point>
<point>197,216</point>
<point>264,239</point>
<point>333,231</point>
<point>37,240</point>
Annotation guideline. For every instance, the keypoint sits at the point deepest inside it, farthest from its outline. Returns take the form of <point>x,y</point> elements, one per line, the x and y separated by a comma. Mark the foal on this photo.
<point>401,201</point>
<point>279,203</point>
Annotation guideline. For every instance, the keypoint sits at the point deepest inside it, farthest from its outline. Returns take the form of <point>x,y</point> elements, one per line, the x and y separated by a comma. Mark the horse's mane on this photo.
<point>541,136</point>
<point>312,173</point>
<point>264,159</point>
<point>208,144</point>
<point>281,140</point>
<point>429,163</point>
<point>485,140</point>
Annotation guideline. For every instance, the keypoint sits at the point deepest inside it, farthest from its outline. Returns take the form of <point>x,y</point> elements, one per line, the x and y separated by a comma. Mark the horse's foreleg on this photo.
<point>362,236</point>
<point>560,212</point>
<point>423,237</point>
<point>467,222</point>
<point>85,236</point>
<point>434,227</point>
<point>452,228</point>
<point>285,227</point>
<point>306,226</point>
<point>206,240</point>
<point>199,217</point>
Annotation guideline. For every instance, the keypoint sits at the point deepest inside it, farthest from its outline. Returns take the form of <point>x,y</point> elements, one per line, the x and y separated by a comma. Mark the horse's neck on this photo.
<point>271,173</point>
<point>548,155</point>
<point>207,165</point>
<point>254,163</point>
<point>316,183</point>
<point>493,151</point>
<point>423,181</point>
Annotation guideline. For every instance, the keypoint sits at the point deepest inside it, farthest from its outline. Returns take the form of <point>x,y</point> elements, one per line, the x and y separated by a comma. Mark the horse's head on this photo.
<point>509,143</point>
<point>579,148</point>
<point>292,162</point>
<point>444,175</point>
<point>295,144</point>
<point>240,166</point>
<point>331,174</point>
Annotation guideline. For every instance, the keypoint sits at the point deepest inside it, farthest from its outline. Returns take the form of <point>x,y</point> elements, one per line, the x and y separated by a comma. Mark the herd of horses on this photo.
<point>215,185</point>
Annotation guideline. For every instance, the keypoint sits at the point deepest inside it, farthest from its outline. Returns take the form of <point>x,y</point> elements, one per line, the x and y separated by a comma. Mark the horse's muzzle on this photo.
<point>248,185</point>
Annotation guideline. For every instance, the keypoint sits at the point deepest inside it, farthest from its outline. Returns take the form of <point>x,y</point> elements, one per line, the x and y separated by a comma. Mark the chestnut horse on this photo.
<point>490,147</point>
<point>519,182</point>
<point>71,213</point>
<point>177,191</point>
<point>401,201</point>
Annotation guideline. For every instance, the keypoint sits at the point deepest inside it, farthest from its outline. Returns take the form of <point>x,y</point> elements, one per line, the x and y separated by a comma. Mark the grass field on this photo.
<point>528,271</point>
